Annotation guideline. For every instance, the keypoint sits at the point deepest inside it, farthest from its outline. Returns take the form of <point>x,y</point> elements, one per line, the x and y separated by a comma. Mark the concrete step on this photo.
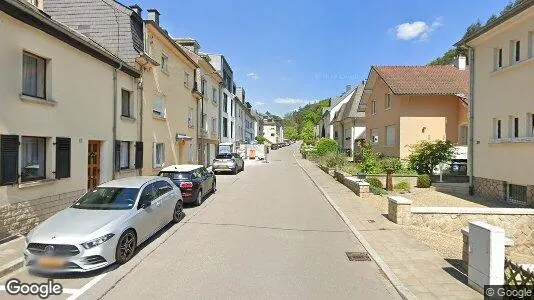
<point>11,257</point>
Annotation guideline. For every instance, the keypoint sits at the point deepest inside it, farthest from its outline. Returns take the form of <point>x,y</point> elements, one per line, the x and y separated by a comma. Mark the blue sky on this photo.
<point>287,53</point>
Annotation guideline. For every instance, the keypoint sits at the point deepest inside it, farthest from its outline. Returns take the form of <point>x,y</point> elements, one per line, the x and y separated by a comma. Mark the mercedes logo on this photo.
<point>49,250</point>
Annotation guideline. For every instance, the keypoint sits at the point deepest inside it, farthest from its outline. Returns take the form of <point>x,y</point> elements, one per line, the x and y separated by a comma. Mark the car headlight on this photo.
<point>98,241</point>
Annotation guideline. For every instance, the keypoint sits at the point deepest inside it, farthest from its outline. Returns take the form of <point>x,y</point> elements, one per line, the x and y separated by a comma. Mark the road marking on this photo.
<point>86,287</point>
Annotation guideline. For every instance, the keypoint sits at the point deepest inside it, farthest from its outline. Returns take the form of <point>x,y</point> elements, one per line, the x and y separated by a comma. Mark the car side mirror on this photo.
<point>146,204</point>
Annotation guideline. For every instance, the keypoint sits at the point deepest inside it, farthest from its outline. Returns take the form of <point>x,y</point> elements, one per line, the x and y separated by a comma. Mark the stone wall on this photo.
<point>20,218</point>
<point>519,227</point>
<point>489,188</point>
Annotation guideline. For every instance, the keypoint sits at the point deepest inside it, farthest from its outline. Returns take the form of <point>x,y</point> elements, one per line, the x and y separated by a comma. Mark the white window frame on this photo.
<point>186,79</point>
<point>497,129</point>
<point>23,158</point>
<point>190,118</point>
<point>214,94</point>
<point>373,107</point>
<point>213,125</point>
<point>374,136</point>
<point>530,124</point>
<point>159,112</point>
<point>40,74</point>
<point>158,155</point>
<point>391,135</point>
<point>511,127</point>
<point>130,104</point>
<point>164,63</point>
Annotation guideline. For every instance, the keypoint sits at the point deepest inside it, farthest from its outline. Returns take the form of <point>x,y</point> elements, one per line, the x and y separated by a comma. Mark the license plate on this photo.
<point>51,263</point>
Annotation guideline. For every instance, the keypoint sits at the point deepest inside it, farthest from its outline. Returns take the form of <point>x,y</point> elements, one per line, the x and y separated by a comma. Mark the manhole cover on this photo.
<point>358,256</point>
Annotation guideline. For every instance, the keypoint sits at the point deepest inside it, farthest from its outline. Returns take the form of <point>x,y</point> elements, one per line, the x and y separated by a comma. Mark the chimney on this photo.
<point>348,87</point>
<point>153,15</point>
<point>137,9</point>
<point>461,62</point>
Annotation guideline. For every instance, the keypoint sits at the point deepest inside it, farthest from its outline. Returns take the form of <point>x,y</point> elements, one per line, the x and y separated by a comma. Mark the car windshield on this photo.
<point>108,198</point>
<point>224,156</point>
<point>176,175</point>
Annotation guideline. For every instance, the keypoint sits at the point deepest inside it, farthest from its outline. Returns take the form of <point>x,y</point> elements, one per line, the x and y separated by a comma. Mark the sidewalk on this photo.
<point>11,257</point>
<point>420,269</point>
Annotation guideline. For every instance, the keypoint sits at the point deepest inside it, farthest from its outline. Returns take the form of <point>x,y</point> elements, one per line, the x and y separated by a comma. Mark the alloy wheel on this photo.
<point>178,212</point>
<point>199,198</point>
<point>126,247</point>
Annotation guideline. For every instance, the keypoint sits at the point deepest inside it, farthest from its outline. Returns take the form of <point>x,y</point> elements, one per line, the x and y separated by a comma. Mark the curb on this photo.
<point>11,267</point>
<point>403,291</point>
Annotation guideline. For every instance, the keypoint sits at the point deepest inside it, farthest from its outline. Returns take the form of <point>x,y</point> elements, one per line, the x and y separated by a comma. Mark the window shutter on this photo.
<point>9,159</point>
<point>138,155</point>
<point>117,156</point>
<point>63,157</point>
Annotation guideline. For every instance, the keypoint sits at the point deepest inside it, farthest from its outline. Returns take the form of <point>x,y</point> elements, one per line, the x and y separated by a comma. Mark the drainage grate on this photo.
<point>358,256</point>
<point>371,221</point>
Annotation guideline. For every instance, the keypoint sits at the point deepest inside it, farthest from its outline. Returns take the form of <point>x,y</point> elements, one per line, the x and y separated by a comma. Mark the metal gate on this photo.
<point>517,194</point>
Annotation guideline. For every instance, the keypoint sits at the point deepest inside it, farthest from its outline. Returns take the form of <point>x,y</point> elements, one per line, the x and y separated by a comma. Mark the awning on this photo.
<point>183,137</point>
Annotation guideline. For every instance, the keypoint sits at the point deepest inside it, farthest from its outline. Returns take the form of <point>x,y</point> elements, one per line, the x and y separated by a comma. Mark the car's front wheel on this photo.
<point>126,247</point>
<point>178,213</point>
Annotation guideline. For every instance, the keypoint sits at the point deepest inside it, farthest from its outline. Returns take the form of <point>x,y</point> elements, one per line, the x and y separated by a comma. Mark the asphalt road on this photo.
<point>266,234</point>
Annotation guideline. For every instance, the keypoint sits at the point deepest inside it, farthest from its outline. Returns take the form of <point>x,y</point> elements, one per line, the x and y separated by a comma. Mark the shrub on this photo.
<point>333,160</point>
<point>423,181</point>
<point>351,168</point>
<point>377,191</point>
<point>426,155</point>
<point>325,146</point>
<point>370,160</point>
<point>402,186</point>
<point>375,182</point>
<point>393,163</point>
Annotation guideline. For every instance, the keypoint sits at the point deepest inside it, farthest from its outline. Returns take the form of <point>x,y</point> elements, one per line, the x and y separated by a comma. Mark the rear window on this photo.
<point>224,156</point>
<point>176,175</point>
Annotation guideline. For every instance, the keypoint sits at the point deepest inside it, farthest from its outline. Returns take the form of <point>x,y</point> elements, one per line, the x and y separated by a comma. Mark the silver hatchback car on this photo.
<point>104,226</point>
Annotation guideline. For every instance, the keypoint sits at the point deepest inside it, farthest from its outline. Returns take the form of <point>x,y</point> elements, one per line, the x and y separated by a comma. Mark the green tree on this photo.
<point>307,134</point>
<point>426,155</point>
<point>291,133</point>
<point>260,139</point>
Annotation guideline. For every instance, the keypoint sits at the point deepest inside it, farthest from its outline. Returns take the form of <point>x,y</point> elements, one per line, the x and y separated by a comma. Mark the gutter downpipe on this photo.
<point>471,118</point>
<point>115,99</point>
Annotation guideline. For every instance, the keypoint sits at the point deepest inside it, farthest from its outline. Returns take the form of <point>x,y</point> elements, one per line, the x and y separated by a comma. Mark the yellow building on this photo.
<point>502,119</point>
<point>404,105</point>
<point>170,119</point>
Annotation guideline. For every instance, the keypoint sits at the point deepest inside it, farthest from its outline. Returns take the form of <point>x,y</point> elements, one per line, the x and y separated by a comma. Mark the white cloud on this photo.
<point>417,30</point>
<point>253,76</point>
<point>289,101</point>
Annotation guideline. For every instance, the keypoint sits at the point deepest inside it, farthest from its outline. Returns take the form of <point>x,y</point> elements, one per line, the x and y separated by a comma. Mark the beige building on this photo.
<point>502,108</point>
<point>208,90</point>
<point>404,105</point>
<point>170,119</point>
<point>60,96</point>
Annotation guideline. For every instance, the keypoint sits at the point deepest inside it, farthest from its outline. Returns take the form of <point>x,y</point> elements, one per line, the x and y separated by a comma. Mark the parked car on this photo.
<point>104,226</point>
<point>228,162</point>
<point>275,146</point>
<point>195,181</point>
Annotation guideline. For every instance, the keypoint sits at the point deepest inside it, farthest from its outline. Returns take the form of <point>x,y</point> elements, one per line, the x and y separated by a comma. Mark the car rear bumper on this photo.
<point>190,199</point>
<point>221,169</point>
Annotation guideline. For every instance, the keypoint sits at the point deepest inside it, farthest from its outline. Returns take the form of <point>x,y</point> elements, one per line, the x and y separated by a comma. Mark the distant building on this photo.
<point>349,123</point>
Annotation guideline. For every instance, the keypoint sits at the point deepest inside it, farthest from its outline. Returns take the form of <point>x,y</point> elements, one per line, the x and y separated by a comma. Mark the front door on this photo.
<point>93,168</point>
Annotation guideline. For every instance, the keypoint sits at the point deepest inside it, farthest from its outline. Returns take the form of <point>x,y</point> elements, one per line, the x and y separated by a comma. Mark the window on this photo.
<point>272,134</point>
<point>517,49</point>
<point>225,103</point>
<point>374,136</point>
<point>513,127</point>
<point>126,110</point>
<point>499,58</point>
<point>373,107</point>
<point>164,63</point>
<point>158,107</point>
<point>190,120</point>
<point>148,194</point>
<point>232,130</point>
<point>124,156</point>
<point>498,129</point>
<point>159,155</point>
<point>214,94</point>
<point>205,124</point>
<point>33,75</point>
<point>203,87</point>
<point>213,125</point>
<point>530,125</point>
<point>33,154</point>
<point>390,136</point>
<point>335,134</point>
<point>191,152</point>
<point>462,138</point>
<point>186,79</point>
<point>225,127</point>
<point>388,101</point>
